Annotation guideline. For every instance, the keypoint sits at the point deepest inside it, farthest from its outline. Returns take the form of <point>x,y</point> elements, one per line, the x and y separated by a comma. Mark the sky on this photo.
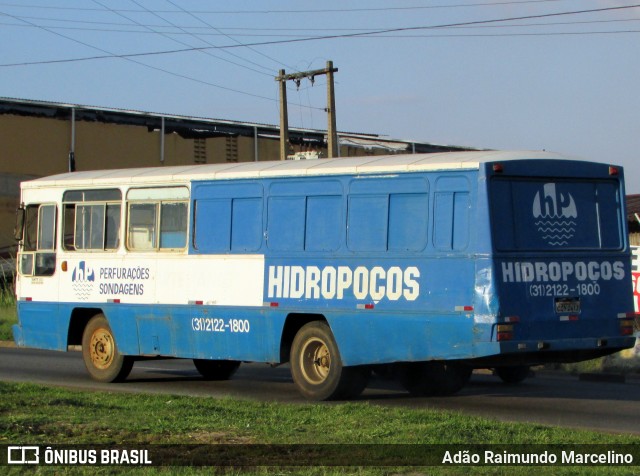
<point>525,74</point>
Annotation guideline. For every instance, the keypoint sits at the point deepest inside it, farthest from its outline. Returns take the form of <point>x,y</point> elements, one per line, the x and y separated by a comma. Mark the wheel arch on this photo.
<point>293,323</point>
<point>80,317</point>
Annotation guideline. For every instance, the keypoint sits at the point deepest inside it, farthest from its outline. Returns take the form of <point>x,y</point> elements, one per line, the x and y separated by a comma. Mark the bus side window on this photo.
<point>246,224</point>
<point>68,226</point>
<point>112,227</point>
<point>173,225</point>
<point>94,227</point>
<point>89,233</point>
<point>142,226</point>
<point>31,228</point>
<point>228,225</point>
<point>388,215</point>
<point>91,220</point>
<point>451,220</point>
<point>324,226</point>
<point>38,257</point>
<point>145,219</point>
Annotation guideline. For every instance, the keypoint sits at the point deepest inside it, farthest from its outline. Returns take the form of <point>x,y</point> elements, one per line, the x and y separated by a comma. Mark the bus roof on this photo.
<point>289,168</point>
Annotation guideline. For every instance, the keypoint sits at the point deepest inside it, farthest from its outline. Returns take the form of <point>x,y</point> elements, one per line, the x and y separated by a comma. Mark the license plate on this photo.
<point>567,305</point>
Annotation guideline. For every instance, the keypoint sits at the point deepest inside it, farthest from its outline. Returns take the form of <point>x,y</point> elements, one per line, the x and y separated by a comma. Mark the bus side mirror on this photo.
<point>18,231</point>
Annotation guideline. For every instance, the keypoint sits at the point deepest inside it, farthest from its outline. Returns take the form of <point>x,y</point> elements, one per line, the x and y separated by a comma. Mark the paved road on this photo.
<point>552,399</point>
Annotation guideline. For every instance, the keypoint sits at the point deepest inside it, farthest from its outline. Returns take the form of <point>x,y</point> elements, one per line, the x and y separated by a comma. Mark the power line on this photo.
<point>156,68</point>
<point>298,11</point>
<point>370,33</point>
<point>208,43</point>
<point>230,37</point>
<point>183,30</point>
<point>497,35</point>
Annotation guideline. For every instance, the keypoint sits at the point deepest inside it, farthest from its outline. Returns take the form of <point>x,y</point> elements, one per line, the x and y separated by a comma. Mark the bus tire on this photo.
<point>316,366</point>
<point>513,374</point>
<point>100,353</point>
<point>433,378</point>
<point>216,369</point>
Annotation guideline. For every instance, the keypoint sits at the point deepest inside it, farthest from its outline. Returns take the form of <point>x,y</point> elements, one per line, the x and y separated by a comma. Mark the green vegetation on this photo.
<point>31,414</point>
<point>625,362</point>
<point>7,319</point>
<point>8,315</point>
<point>41,415</point>
<point>7,298</point>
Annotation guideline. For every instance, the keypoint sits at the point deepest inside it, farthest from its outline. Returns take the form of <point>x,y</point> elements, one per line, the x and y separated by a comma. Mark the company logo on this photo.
<point>555,214</point>
<point>82,280</point>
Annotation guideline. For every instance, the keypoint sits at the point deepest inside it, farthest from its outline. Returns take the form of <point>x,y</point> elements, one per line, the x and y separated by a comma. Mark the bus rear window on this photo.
<point>549,214</point>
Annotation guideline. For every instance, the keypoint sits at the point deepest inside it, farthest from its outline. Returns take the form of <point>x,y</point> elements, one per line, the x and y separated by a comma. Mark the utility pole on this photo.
<point>332,134</point>
<point>284,116</point>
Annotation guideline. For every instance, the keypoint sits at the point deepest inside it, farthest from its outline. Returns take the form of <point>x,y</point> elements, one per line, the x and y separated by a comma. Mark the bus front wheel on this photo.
<point>317,369</point>
<point>100,353</point>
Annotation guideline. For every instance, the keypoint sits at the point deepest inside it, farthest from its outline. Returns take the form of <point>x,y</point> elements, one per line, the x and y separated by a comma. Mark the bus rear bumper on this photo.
<point>555,351</point>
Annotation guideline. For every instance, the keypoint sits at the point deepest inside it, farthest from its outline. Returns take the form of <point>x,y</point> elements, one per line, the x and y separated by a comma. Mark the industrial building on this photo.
<point>43,138</point>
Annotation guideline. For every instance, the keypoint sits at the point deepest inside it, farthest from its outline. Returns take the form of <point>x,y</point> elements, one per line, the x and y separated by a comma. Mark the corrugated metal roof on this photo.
<point>36,102</point>
<point>248,170</point>
<point>208,120</point>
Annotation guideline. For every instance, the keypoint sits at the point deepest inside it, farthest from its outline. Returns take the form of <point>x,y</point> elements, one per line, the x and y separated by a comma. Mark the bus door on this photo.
<point>37,282</point>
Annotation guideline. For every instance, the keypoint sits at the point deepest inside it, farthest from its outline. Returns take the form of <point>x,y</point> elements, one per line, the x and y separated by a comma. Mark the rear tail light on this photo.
<point>629,322</point>
<point>626,327</point>
<point>504,332</point>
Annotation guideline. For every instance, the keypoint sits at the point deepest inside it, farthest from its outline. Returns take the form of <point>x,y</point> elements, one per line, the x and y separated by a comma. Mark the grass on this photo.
<point>8,316</point>
<point>616,363</point>
<point>32,414</point>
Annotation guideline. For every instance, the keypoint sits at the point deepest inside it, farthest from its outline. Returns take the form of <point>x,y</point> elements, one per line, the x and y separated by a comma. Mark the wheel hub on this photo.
<point>315,361</point>
<point>102,349</point>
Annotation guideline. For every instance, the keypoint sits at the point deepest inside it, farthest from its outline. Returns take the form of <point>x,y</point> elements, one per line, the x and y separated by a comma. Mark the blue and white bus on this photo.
<point>429,265</point>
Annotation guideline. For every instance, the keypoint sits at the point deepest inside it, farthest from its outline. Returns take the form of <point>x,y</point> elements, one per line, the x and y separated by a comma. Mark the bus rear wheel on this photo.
<point>317,369</point>
<point>433,378</point>
<point>100,353</point>
<point>216,369</point>
<point>513,374</point>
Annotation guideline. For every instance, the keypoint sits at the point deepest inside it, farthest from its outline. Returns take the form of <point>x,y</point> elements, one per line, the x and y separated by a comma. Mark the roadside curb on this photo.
<point>7,343</point>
